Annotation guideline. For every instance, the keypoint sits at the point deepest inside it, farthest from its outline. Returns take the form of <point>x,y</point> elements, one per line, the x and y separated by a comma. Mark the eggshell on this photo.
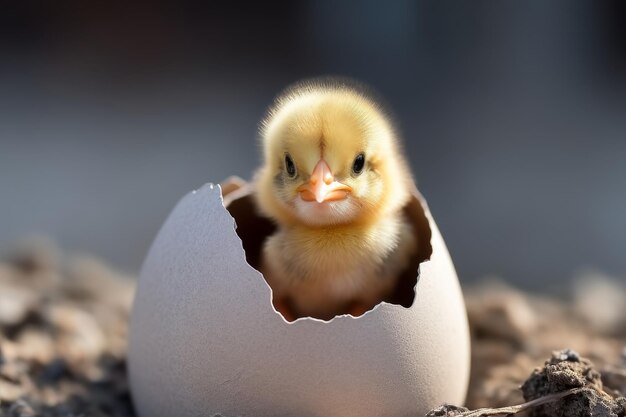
<point>206,341</point>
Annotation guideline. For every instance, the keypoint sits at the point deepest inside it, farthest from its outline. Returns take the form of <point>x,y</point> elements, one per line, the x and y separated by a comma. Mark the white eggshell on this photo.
<point>205,339</point>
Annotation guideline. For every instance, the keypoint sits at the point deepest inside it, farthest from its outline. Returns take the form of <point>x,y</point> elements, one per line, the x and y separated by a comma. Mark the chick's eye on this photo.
<point>359,163</point>
<point>290,167</point>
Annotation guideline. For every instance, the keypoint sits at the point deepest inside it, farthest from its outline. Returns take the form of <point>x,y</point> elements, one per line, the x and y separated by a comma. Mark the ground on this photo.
<point>63,332</point>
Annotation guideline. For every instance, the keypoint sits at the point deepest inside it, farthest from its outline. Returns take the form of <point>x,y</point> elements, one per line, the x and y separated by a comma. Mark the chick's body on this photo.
<point>334,181</point>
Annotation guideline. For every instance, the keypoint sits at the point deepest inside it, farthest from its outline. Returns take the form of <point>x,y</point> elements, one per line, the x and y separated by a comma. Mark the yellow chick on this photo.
<point>334,181</point>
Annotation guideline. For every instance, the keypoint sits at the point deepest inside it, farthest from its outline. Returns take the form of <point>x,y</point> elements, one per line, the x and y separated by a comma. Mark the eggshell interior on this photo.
<point>205,339</point>
<point>253,229</point>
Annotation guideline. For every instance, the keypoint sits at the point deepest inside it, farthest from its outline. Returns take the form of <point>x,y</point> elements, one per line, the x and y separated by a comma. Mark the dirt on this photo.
<point>566,369</point>
<point>583,335</point>
<point>63,332</point>
<point>63,324</point>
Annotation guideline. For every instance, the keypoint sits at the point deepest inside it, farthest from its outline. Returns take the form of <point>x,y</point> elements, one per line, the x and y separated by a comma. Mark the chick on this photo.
<point>334,181</point>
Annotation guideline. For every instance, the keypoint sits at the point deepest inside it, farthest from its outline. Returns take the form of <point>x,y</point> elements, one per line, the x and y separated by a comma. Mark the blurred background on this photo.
<point>513,114</point>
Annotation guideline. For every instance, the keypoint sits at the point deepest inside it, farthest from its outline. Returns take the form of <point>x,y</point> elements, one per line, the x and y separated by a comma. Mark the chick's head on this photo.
<point>331,157</point>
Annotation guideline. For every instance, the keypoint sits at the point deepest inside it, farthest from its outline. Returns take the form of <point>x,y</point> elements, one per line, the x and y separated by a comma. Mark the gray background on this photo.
<point>513,113</point>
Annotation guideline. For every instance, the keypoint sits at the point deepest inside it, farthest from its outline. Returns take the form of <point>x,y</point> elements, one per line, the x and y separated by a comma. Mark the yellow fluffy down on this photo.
<point>334,257</point>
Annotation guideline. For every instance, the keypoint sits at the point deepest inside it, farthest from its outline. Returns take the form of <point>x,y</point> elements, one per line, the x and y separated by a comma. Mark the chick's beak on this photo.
<point>322,185</point>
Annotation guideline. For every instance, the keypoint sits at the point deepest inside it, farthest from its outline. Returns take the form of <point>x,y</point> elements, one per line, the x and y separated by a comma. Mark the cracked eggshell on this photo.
<point>205,339</point>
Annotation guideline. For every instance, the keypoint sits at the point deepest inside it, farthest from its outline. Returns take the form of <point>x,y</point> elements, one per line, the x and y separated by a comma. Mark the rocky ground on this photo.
<point>63,328</point>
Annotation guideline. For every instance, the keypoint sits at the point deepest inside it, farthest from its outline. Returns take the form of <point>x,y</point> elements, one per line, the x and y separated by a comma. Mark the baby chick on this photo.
<point>334,181</point>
